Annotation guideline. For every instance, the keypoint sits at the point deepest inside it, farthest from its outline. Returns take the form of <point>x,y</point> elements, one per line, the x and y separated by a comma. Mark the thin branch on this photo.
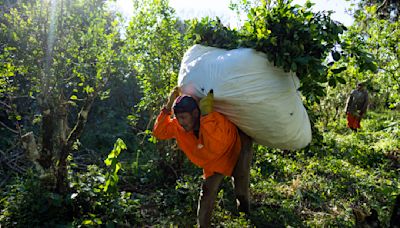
<point>4,181</point>
<point>171,168</point>
<point>8,128</point>
<point>82,118</point>
<point>18,97</point>
<point>381,6</point>
<point>13,161</point>
<point>148,126</point>
<point>5,104</point>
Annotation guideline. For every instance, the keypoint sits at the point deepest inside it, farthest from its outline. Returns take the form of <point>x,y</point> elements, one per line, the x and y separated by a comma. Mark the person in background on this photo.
<point>211,142</point>
<point>356,106</point>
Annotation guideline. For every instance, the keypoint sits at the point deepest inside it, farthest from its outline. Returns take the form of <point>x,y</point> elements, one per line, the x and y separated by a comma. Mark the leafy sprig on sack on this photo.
<point>294,38</point>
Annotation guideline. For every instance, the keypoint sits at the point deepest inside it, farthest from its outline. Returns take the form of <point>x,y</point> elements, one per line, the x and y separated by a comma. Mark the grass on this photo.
<point>349,170</point>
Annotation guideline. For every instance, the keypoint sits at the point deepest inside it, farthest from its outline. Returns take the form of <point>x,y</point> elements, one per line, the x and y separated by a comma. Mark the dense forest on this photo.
<point>81,86</point>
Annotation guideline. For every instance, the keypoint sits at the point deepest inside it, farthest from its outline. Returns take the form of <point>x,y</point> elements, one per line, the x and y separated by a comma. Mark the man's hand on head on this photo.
<point>175,92</point>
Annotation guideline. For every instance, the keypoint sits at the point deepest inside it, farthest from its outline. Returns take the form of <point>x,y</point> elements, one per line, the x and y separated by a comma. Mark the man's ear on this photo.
<point>196,112</point>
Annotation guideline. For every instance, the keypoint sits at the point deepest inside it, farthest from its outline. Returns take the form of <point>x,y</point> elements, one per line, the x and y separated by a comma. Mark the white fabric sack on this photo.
<point>261,99</point>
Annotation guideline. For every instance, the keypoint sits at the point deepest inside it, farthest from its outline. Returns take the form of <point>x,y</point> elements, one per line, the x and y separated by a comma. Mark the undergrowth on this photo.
<point>314,187</point>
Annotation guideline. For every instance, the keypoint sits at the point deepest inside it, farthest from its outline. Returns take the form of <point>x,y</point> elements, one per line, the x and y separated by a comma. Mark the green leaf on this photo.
<point>88,222</point>
<point>332,81</point>
<point>303,60</point>
<point>338,70</point>
<point>88,89</point>
<point>115,166</point>
<point>341,80</point>
<point>335,55</point>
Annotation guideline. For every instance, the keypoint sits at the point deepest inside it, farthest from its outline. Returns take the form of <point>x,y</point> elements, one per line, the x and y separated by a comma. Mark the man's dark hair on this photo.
<point>185,103</point>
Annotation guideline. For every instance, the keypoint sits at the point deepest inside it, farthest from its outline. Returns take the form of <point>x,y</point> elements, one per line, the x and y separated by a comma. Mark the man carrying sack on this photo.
<point>210,141</point>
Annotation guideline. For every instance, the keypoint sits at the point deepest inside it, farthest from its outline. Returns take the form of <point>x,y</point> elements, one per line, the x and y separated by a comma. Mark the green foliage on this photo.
<point>26,202</point>
<point>64,53</point>
<point>380,37</point>
<point>213,33</point>
<point>332,106</point>
<point>7,71</point>
<point>94,206</point>
<point>389,11</point>
<point>114,166</point>
<point>350,170</point>
<point>174,206</point>
<point>94,199</point>
<point>294,38</point>
<point>155,46</point>
<point>70,67</point>
<point>107,119</point>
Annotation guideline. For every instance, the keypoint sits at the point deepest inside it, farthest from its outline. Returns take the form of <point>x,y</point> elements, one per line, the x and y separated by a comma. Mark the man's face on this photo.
<point>360,87</point>
<point>187,120</point>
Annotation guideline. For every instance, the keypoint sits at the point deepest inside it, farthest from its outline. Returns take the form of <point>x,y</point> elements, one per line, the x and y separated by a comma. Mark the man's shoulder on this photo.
<point>214,114</point>
<point>220,115</point>
<point>217,116</point>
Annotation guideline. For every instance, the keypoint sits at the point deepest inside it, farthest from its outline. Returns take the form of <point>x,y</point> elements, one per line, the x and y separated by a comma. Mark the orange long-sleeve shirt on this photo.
<point>217,148</point>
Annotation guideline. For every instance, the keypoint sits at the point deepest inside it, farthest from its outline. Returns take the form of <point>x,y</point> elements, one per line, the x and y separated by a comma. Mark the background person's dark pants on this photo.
<point>240,180</point>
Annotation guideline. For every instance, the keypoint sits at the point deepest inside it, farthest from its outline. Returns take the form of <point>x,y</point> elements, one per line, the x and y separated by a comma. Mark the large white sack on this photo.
<point>262,100</point>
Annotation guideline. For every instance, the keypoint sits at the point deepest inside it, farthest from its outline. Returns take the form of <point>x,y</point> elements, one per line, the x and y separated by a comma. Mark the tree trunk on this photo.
<point>57,140</point>
<point>61,169</point>
<point>45,158</point>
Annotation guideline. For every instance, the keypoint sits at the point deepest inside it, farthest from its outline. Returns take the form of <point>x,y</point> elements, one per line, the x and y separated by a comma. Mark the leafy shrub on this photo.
<point>27,202</point>
<point>94,206</point>
<point>95,196</point>
<point>94,199</point>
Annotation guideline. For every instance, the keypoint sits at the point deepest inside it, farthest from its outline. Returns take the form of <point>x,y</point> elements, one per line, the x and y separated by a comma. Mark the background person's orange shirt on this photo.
<point>217,148</point>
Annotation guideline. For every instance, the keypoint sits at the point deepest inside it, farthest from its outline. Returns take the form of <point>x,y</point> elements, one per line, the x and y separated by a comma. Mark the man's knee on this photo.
<point>211,185</point>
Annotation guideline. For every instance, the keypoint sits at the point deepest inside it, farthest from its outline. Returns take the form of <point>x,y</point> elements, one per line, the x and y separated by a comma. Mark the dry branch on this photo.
<point>8,128</point>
